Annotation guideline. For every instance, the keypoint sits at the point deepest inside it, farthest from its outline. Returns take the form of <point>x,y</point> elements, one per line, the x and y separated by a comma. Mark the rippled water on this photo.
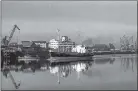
<point>104,73</point>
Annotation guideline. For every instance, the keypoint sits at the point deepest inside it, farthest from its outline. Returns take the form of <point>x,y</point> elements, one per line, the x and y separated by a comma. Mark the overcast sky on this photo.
<point>38,20</point>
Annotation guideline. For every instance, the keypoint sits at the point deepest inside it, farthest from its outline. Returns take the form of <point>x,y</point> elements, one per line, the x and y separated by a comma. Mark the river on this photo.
<point>103,73</point>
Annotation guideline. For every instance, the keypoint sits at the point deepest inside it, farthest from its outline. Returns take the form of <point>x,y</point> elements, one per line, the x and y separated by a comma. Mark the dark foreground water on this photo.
<point>104,73</point>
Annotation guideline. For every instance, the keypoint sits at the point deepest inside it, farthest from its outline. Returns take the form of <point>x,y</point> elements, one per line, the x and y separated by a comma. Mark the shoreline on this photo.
<point>113,55</point>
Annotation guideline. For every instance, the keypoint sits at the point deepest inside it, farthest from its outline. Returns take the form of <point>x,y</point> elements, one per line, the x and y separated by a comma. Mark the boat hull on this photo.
<point>27,59</point>
<point>68,59</point>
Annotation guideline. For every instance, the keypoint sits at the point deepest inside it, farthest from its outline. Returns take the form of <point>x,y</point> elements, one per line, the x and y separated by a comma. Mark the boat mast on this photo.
<point>58,39</point>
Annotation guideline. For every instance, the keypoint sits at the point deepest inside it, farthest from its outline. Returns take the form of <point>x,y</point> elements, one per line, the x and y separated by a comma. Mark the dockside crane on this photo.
<point>11,35</point>
<point>7,41</point>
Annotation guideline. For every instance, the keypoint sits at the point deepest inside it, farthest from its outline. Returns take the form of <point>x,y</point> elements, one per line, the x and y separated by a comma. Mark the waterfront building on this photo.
<point>101,47</point>
<point>42,44</point>
<point>136,48</point>
<point>28,46</point>
<point>89,49</point>
<point>13,44</point>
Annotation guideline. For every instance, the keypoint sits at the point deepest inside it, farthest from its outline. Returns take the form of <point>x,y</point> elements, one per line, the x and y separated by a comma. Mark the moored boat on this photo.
<point>65,50</point>
<point>69,57</point>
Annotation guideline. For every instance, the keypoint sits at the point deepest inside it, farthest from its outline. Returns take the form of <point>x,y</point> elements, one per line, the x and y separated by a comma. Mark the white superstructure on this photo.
<point>79,49</point>
<point>53,44</point>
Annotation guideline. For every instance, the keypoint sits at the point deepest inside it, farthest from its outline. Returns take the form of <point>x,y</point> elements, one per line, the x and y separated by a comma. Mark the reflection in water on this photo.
<point>104,60</point>
<point>132,61</point>
<point>136,61</point>
<point>81,67</point>
<point>63,70</point>
<point>112,60</point>
<point>128,63</point>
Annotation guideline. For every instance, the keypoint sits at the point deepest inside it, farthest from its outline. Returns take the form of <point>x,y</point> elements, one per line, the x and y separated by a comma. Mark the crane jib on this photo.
<point>11,35</point>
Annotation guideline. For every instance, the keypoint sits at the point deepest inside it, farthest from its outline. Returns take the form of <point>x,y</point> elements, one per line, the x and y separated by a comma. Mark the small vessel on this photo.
<point>28,58</point>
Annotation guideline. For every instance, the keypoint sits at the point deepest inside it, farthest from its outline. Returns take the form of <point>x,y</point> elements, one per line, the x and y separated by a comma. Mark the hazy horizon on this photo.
<point>38,20</point>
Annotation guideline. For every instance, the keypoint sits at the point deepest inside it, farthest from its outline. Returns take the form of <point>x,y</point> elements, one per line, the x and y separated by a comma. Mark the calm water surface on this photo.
<point>104,73</point>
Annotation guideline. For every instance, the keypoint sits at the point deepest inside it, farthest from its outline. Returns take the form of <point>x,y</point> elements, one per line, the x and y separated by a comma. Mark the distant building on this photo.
<point>28,46</point>
<point>79,49</point>
<point>89,49</point>
<point>14,44</point>
<point>136,47</point>
<point>42,44</point>
<point>111,46</point>
<point>101,47</point>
